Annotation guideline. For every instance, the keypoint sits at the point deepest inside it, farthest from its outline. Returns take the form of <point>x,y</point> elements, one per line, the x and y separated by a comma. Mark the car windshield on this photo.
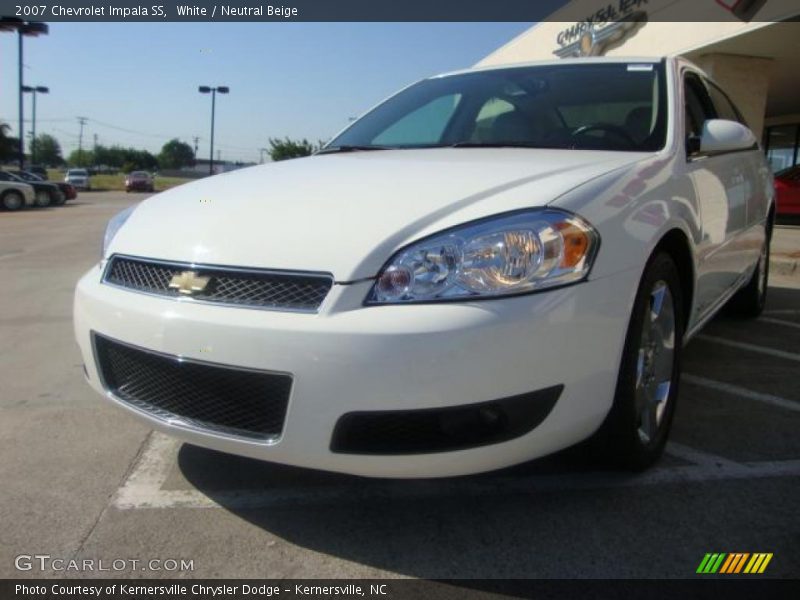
<point>76,173</point>
<point>9,176</point>
<point>590,106</point>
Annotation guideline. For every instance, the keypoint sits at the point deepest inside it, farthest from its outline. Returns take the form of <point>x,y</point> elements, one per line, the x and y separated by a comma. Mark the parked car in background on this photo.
<point>787,190</point>
<point>139,181</point>
<point>70,193</point>
<point>38,170</point>
<point>490,266</point>
<point>79,179</point>
<point>67,191</point>
<point>15,195</point>
<point>46,193</point>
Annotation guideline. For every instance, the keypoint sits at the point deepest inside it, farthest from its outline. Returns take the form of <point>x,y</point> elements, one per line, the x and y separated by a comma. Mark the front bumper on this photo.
<point>352,359</point>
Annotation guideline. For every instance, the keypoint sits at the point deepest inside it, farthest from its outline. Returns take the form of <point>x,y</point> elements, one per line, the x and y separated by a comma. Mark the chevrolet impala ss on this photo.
<point>488,267</point>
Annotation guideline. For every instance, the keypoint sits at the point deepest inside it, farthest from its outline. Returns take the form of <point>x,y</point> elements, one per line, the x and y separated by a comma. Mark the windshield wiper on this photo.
<point>349,148</point>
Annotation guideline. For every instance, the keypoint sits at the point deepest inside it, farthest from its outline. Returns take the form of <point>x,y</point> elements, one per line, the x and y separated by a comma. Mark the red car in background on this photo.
<point>139,181</point>
<point>787,191</point>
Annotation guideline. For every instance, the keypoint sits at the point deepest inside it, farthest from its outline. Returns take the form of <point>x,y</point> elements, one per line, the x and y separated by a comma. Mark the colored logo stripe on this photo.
<point>711,563</point>
<point>734,563</point>
<point>758,563</point>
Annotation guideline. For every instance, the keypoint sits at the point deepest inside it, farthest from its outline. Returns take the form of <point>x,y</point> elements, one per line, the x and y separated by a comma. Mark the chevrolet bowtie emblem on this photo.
<point>188,282</point>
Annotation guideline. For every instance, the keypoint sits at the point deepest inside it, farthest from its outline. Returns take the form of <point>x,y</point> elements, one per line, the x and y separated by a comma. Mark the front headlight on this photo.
<point>503,255</point>
<point>113,227</point>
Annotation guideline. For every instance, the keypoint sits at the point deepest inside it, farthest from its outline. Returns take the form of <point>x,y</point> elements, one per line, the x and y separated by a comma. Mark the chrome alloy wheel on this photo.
<point>655,362</point>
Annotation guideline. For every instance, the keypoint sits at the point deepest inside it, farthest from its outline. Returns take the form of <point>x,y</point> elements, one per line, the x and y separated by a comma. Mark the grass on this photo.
<point>102,183</point>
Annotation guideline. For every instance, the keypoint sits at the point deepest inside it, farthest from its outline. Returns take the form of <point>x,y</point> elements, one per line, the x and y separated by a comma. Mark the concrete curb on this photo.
<point>785,265</point>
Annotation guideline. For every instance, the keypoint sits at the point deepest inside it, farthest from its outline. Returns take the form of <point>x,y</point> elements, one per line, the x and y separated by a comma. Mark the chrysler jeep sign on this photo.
<point>612,23</point>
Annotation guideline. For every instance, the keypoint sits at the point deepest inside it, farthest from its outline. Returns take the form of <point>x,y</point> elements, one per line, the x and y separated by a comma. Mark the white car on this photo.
<point>78,178</point>
<point>15,195</point>
<point>488,267</point>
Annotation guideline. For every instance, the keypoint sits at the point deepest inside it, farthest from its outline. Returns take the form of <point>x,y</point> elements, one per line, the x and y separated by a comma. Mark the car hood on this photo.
<point>42,185</point>
<point>346,214</point>
<point>16,185</point>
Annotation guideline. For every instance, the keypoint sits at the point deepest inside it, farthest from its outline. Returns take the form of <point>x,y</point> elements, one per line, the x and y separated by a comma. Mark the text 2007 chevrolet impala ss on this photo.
<point>488,267</point>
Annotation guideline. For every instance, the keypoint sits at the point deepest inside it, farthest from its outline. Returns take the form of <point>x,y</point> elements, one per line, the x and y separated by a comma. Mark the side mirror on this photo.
<point>721,135</point>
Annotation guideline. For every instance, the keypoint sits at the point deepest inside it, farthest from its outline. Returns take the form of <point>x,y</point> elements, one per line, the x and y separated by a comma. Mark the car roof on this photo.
<point>559,61</point>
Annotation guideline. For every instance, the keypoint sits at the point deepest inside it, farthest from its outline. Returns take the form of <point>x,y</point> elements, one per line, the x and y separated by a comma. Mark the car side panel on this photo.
<point>725,189</point>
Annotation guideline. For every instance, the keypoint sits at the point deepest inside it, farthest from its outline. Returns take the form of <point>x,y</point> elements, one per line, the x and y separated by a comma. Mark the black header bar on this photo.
<point>396,11</point>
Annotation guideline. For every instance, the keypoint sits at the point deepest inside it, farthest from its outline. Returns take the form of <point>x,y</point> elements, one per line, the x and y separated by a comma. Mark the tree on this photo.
<point>176,154</point>
<point>126,159</point>
<point>287,148</point>
<point>80,158</point>
<point>8,145</point>
<point>48,150</point>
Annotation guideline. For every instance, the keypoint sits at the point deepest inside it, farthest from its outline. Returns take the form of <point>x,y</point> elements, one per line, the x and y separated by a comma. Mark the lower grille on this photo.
<point>443,429</point>
<point>204,396</point>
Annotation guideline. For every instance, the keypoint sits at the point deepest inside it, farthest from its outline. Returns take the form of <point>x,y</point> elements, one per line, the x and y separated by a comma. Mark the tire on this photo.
<point>58,199</point>
<point>42,199</point>
<point>635,431</point>
<point>12,200</point>
<point>749,301</point>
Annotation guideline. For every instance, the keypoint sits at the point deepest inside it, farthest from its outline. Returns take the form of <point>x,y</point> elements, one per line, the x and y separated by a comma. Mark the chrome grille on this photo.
<point>200,395</point>
<point>241,287</point>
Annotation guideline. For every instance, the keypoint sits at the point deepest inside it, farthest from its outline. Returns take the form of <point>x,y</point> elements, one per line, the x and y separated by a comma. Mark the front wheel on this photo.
<point>13,200</point>
<point>636,429</point>
<point>42,199</point>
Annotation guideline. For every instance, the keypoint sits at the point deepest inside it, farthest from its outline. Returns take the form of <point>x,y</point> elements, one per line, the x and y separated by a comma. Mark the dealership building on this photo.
<point>751,48</point>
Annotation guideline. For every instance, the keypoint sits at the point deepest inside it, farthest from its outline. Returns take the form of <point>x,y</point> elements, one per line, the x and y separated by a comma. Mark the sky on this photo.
<point>136,83</point>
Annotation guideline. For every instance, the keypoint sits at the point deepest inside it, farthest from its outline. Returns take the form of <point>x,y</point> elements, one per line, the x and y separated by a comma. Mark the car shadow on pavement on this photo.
<point>416,528</point>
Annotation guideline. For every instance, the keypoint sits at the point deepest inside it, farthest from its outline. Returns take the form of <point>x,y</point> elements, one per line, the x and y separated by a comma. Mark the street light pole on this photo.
<point>23,28</point>
<point>204,89</point>
<point>21,145</point>
<point>213,107</point>
<point>39,89</point>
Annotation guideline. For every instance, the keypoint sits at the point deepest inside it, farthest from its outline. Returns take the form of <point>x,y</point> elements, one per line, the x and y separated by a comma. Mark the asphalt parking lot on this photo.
<point>80,479</point>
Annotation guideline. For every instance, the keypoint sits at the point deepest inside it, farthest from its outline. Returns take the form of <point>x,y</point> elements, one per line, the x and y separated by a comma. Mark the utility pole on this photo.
<point>196,140</point>
<point>94,148</point>
<point>82,121</point>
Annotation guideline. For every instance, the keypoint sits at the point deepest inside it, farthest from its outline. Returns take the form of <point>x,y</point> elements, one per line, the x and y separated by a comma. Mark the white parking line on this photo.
<point>735,390</point>
<point>143,488</point>
<point>698,457</point>
<point>781,322</point>
<point>751,347</point>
